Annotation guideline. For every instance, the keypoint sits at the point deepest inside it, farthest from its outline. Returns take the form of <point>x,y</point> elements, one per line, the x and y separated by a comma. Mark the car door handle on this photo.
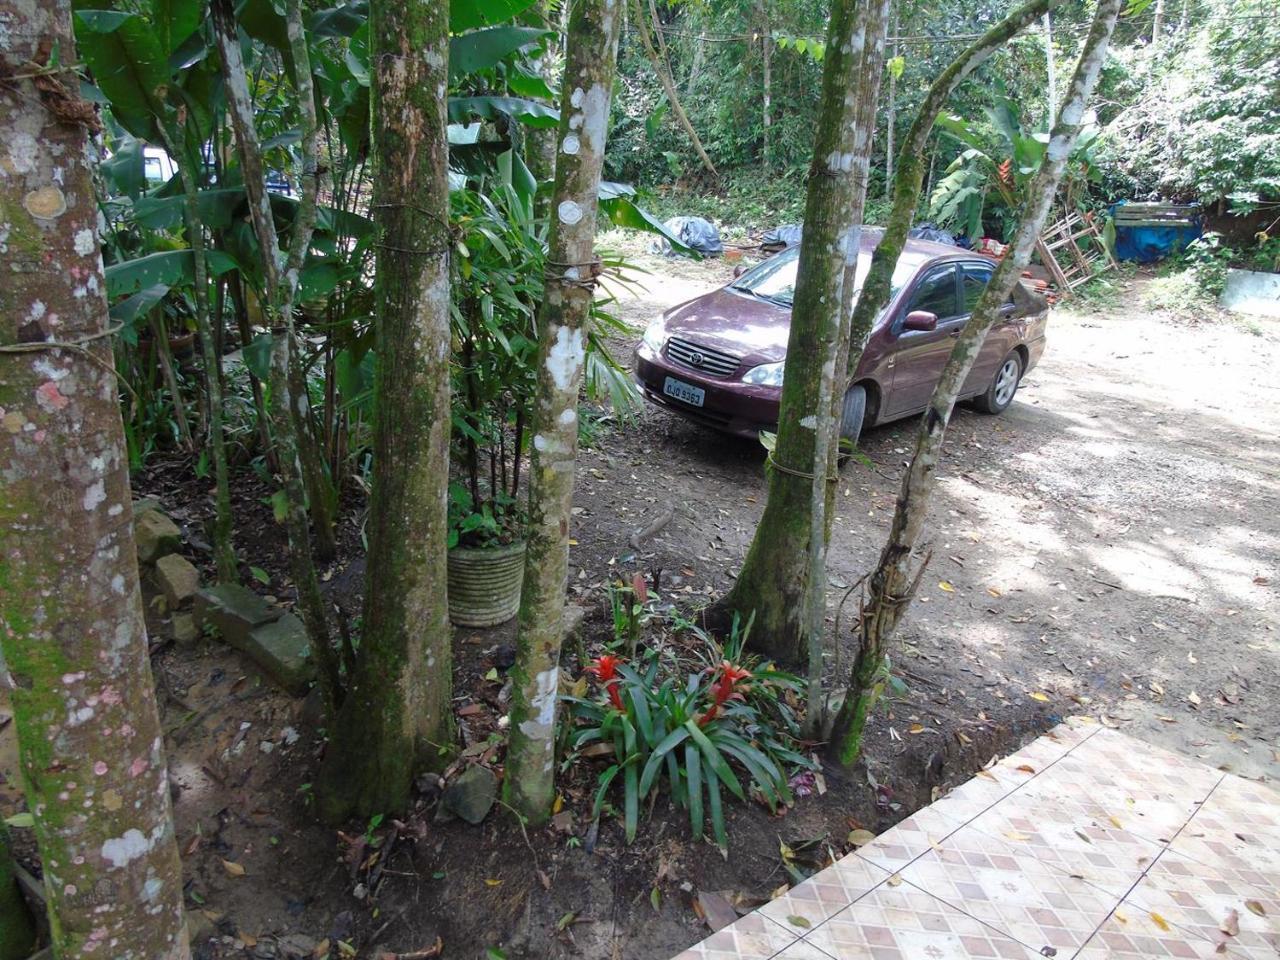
<point>954,334</point>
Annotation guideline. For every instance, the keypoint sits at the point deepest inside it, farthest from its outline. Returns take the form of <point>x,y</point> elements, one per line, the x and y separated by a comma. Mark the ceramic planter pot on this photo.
<point>484,584</point>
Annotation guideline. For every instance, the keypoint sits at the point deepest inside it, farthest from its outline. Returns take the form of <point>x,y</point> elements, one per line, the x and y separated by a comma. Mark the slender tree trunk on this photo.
<point>293,413</point>
<point>910,169</point>
<point>668,84</point>
<point>695,68</point>
<point>773,579</point>
<point>165,355</point>
<point>396,716</point>
<point>189,172</point>
<point>830,399</point>
<point>1157,27</point>
<point>17,930</point>
<point>893,582</point>
<point>1051,94</point>
<point>892,111</point>
<point>766,55</point>
<point>571,274</point>
<point>72,633</point>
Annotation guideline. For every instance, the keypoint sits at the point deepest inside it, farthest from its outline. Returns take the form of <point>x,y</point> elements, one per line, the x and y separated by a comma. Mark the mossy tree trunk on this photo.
<point>572,268</point>
<point>71,622</point>
<point>396,714</point>
<point>17,929</point>
<point>774,582</point>
<point>894,580</point>
<point>290,416</point>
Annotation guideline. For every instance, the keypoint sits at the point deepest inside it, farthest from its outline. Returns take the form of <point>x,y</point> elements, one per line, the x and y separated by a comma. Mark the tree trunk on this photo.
<point>71,622</point>
<point>892,111</point>
<point>17,929</point>
<point>1051,95</point>
<point>910,169</point>
<point>893,582</point>
<point>1157,27</point>
<point>774,583</point>
<point>571,274</point>
<point>668,84</point>
<point>189,172</point>
<point>396,716</point>
<point>830,399</point>
<point>291,417</point>
<point>766,56</point>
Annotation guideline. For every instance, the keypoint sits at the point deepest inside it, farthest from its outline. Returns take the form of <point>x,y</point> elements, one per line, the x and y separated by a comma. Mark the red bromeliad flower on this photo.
<point>724,689</point>
<point>605,669</point>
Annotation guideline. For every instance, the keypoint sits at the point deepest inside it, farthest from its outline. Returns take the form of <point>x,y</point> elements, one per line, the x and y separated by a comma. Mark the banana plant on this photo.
<point>1001,156</point>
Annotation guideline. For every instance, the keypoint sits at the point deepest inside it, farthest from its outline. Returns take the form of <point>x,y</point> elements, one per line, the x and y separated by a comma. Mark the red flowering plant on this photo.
<point>689,734</point>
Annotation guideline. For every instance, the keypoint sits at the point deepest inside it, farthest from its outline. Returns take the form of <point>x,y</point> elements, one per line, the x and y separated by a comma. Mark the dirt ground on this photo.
<point>1108,547</point>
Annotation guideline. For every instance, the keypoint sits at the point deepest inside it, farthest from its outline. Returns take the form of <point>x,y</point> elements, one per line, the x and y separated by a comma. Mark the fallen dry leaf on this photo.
<point>916,728</point>
<point>798,921</point>
<point>492,883</point>
<point>993,591</point>
<point>248,939</point>
<point>1230,924</point>
<point>714,909</point>
<point>1193,698</point>
<point>895,880</point>
<point>1026,768</point>
<point>1115,822</point>
<point>1254,906</point>
<point>1160,921</point>
<point>1020,837</point>
<point>1042,697</point>
<point>860,838</point>
<point>233,869</point>
<point>946,586</point>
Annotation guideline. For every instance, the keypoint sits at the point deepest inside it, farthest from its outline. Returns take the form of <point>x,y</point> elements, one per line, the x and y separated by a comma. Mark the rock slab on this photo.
<point>177,579</point>
<point>234,612</point>
<point>155,535</point>
<point>471,794</point>
<point>185,631</point>
<point>281,649</point>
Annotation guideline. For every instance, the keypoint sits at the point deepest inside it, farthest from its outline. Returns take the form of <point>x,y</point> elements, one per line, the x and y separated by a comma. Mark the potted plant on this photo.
<point>497,280</point>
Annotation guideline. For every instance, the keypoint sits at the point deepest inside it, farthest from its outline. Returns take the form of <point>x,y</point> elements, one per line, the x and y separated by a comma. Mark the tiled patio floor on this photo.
<point>1086,843</point>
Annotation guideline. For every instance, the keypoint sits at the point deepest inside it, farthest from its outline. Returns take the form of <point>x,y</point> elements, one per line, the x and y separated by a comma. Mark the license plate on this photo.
<point>685,392</point>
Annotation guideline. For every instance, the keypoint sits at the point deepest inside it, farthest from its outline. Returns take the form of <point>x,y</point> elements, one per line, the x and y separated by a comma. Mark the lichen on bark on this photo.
<point>592,45</point>
<point>71,623</point>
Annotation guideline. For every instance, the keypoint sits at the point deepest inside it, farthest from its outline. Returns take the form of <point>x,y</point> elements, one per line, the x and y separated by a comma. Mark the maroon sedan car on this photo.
<point>718,359</point>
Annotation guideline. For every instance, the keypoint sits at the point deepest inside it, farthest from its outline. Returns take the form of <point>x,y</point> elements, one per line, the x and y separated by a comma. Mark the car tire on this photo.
<point>851,417</point>
<point>1004,385</point>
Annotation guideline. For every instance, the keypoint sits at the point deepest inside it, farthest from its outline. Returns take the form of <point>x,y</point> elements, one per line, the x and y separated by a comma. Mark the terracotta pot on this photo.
<point>484,584</point>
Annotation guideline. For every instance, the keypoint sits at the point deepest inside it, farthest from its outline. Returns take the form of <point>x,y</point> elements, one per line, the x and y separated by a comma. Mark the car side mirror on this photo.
<point>920,320</point>
<point>739,270</point>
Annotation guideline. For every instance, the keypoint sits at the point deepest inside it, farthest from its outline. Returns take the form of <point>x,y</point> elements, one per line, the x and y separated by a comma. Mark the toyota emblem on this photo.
<point>696,358</point>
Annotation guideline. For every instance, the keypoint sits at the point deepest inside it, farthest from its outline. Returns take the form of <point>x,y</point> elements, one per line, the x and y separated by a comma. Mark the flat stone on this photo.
<point>571,621</point>
<point>155,535</point>
<point>144,504</point>
<point>233,611</point>
<point>177,579</point>
<point>185,631</point>
<point>471,794</point>
<point>281,649</point>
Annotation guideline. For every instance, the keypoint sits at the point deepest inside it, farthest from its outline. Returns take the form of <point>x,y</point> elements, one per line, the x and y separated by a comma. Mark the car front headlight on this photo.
<point>765,375</point>
<point>655,335</point>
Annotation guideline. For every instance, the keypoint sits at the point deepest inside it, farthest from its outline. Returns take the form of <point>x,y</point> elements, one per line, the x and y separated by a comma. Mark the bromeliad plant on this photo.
<point>719,728</point>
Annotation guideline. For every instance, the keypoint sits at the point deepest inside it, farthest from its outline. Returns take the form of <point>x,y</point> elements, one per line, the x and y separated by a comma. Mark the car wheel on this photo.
<point>851,416</point>
<point>1003,385</point>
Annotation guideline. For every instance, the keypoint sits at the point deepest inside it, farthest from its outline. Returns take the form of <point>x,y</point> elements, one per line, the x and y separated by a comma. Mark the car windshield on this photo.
<point>775,279</point>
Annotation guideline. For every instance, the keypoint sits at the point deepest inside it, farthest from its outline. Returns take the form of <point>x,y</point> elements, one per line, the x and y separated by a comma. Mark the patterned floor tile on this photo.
<point>802,951</point>
<point>1152,791</point>
<point>1130,935</point>
<point>1006,886</point>
<point>1237,827</point>
<point>1207,900</point>
<point>905,923</point>
<point>824,894</point>
<point>753,937</point>
<point>1073,835</point>
<point>920,832</point>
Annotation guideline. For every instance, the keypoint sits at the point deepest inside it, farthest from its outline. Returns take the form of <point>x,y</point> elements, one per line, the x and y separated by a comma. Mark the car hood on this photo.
<point>734,323</point>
